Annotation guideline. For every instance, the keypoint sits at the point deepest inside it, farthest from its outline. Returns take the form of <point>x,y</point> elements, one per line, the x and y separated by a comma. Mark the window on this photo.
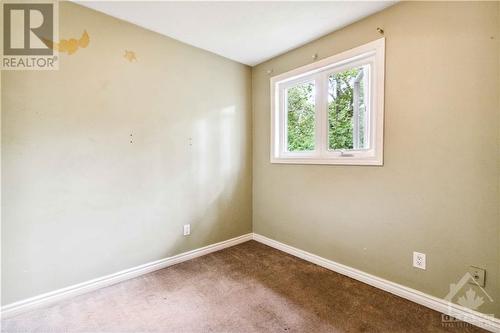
<point>331,111</point>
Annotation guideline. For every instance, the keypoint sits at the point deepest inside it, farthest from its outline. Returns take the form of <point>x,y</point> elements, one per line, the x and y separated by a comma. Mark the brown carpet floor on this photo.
<point>246,288</point>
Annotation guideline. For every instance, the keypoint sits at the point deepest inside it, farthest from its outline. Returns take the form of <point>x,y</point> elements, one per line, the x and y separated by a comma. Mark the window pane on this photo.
<point>347,109</point>
<point>300,113</point>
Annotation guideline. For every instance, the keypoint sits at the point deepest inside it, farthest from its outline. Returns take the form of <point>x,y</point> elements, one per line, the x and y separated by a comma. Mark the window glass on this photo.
<point>300,115</point>
<point>347,109</point>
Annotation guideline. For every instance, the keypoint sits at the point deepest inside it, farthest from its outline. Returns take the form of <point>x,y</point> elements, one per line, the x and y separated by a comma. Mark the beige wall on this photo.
<point>438,190</point>
<point>79,200</point>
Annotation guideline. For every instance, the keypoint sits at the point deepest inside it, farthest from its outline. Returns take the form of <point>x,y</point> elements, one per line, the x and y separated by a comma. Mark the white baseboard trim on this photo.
<point>52,297</point>
<point>459,312</point>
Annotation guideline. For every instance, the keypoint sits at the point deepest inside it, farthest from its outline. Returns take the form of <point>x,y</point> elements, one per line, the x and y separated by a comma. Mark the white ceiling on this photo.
<point>248,32</point>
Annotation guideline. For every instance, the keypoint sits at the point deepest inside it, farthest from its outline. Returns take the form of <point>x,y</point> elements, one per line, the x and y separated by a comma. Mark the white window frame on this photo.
<point>372,54</point>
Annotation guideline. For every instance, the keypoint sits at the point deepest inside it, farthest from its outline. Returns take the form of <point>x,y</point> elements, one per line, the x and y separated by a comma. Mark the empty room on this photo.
<point>250,166</point>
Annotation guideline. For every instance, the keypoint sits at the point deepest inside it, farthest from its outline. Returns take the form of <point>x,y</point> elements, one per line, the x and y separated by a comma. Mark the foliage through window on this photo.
<point>300,117</point>
<point>347,109</point>
<point>331,112</point>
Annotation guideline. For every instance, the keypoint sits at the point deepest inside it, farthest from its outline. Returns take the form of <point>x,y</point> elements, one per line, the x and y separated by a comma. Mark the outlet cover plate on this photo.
<point>187,229</point>
<point>419,260</point>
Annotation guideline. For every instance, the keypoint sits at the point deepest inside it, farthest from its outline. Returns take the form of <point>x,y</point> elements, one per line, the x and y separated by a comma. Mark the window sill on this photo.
<point>372,161</point>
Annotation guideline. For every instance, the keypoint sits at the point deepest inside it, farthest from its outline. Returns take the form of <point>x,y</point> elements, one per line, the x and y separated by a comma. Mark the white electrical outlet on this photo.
<point>419,260</point>
<point>187,229</point>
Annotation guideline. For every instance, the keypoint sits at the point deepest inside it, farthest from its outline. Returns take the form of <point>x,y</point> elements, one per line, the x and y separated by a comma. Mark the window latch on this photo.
<point>343,154</point>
